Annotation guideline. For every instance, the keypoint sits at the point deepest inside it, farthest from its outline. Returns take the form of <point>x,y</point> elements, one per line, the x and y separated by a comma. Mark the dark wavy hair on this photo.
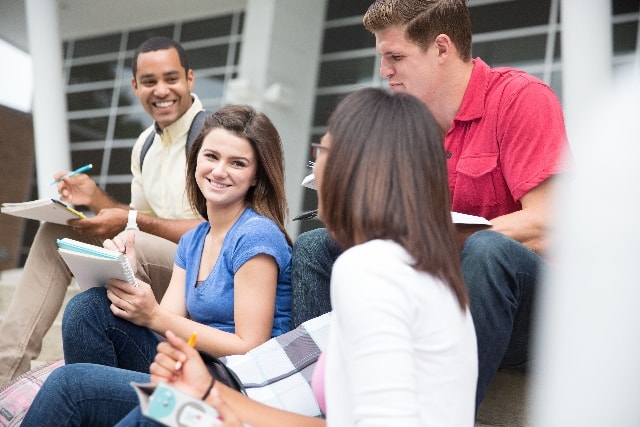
<point>268,196</point>
<point>385,177</point>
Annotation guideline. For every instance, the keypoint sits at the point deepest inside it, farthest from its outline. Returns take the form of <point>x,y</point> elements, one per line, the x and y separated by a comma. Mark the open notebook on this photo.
<point>93,265</point>
<point>49,210</point>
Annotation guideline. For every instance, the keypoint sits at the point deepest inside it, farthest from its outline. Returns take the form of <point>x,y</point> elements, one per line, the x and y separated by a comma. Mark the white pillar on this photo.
<point>587,53</point>
<point>586,370</point>
<point>49,103</point>
<point>277,74</point>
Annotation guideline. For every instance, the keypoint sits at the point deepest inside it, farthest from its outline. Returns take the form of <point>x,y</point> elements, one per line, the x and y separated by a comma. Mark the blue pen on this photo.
<point>83,169</point>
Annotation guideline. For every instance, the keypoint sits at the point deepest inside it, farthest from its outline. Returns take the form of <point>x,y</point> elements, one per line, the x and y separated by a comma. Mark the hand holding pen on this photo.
<point>192,344</point>
<point>80,170</point>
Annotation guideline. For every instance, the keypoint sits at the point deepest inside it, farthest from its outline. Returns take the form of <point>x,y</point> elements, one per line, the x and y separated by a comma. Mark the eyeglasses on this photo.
<point>316,148</point>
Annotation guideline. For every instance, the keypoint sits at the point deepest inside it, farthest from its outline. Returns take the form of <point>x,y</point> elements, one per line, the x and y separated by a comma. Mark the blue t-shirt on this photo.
<point>211,303</point>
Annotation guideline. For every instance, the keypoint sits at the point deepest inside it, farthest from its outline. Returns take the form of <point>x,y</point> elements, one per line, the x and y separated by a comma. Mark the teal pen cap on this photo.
<point>82,169</point>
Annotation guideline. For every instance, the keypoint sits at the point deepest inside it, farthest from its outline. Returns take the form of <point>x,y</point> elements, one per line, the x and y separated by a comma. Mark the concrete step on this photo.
<point>52,341</point>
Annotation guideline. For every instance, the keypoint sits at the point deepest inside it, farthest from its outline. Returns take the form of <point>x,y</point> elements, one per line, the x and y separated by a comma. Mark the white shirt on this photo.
<point>160,191</point>
<point>401,351</point>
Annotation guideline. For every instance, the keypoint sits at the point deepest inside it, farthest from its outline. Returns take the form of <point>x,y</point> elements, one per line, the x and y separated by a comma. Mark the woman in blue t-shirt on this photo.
<point>231,276</point>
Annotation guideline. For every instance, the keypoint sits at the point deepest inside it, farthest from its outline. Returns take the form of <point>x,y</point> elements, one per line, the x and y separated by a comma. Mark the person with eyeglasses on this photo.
<point>505,145</point>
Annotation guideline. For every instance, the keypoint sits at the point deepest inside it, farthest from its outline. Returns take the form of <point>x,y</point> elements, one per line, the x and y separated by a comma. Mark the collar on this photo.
<point>473,101</point>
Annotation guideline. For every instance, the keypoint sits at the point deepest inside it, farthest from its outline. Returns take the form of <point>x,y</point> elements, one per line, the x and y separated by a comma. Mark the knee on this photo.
<point>58,381</point>
<point>314,245</point>
<point>85,304</point>
<point>486,246</point>
<point>310,241</point>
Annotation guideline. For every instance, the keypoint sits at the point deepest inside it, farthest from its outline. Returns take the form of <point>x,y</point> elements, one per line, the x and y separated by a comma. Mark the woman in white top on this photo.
<point>402,348</point>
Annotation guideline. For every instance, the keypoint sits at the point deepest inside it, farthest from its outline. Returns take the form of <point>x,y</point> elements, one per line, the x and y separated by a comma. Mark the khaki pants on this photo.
<point>40,292</point>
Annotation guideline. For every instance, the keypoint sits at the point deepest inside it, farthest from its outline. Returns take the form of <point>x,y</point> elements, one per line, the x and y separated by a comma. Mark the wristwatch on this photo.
<point>132,224</point>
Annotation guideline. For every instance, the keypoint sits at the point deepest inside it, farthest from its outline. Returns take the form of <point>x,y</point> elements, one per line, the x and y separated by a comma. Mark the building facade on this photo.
<point>294,60</point>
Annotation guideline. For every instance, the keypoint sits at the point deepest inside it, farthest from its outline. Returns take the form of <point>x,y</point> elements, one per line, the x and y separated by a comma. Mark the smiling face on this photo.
<point>163,86</point>
<point>226,168</point>
<point>406,66</point>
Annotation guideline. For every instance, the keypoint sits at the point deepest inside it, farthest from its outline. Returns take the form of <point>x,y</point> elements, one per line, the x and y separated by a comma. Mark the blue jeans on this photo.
<point>312,259</point>
<point>92,334</point>
<point>135,418</point>
<point>84,395</point>
<point>501,276</point>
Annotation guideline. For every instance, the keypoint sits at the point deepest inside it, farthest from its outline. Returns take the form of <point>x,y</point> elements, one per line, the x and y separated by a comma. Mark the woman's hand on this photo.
<point>181,365</point>
<point>125,243</point>
<point>227,416</point>
<point>137,304</point>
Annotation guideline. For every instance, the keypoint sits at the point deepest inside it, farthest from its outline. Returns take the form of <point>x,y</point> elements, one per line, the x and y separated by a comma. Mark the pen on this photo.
<point>192,343</point>
<point>306,215</point>
<point>70,209</point>
<point>75,172</point>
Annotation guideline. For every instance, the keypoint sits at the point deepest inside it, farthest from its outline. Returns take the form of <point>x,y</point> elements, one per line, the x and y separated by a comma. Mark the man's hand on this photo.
<point>78,189</point>
<point>107,224</point>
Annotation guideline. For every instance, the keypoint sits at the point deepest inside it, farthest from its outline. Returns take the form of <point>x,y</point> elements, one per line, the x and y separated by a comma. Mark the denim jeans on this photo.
<point>91,333</point>
<point>40,292</point>
<point>84,395</point>
<point>314,253</point>
<point>501,276</point>
<point>135,418</point>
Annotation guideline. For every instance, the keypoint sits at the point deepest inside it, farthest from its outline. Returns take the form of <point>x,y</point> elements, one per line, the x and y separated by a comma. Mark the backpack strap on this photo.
<point>146,146</point>
<point>196,125</point>
<point>194,129</point>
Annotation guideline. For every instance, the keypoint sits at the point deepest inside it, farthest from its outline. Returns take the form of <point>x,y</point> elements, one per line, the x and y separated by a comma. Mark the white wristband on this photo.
<point>132,224</point>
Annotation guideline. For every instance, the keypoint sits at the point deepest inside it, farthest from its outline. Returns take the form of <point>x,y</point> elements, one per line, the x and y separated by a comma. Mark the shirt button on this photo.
<point>447,154</point>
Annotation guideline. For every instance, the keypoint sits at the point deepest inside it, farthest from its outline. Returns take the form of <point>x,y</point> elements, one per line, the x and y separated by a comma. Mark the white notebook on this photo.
<point>93,265</point>
<point>49,210</point>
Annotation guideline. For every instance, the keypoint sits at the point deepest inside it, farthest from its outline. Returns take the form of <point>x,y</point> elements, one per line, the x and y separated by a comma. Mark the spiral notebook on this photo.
<point>93,265</point>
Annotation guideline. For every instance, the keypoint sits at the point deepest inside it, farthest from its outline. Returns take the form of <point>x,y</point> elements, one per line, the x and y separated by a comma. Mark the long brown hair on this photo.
<point>385,177</point>
<point>268,196</point>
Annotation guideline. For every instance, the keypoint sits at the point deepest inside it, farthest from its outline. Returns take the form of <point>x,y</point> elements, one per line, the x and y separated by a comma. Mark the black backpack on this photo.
<point>196,124</point>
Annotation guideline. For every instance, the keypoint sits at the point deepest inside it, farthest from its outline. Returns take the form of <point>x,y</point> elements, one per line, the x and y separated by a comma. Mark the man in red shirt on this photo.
<point>505,140</point>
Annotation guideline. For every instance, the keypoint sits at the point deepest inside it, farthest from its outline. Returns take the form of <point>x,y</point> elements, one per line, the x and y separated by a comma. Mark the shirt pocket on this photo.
<point>479,181</point>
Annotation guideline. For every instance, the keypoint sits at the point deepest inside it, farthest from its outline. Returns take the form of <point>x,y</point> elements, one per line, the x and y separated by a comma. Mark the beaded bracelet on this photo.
<point>206,393</point>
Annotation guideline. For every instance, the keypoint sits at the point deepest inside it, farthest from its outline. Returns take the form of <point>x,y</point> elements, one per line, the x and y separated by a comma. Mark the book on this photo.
<point>174,408</point>
<point>49,210</point>
<point>460,218</point>
<point>93,265</point>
